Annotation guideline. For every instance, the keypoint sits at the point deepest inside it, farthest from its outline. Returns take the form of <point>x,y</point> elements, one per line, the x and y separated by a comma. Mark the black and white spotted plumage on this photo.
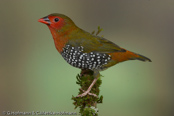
<point>77,58</point>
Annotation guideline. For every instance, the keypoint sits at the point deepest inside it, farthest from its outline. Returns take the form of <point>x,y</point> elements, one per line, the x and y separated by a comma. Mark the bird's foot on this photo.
<point>85,93</point>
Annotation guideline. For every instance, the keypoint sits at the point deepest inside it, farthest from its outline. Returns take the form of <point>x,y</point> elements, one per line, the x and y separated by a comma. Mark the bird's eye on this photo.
<point>56,19</point>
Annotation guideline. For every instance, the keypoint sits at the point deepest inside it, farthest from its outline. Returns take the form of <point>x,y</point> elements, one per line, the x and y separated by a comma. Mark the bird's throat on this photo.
<point>60,38</point>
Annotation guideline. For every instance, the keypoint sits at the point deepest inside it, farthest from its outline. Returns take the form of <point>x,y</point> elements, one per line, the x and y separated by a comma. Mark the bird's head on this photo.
<point>57,21</point>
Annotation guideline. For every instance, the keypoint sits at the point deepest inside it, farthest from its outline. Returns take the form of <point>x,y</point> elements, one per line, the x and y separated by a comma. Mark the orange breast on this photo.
<point>60,43</point>
<point>60,39</point>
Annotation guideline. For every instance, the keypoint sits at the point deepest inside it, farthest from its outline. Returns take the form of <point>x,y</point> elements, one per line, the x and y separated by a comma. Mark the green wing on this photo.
<point>92,43</point>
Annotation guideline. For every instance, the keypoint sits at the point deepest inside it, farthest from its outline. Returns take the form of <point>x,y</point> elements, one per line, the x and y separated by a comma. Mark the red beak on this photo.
<point>44,20</point>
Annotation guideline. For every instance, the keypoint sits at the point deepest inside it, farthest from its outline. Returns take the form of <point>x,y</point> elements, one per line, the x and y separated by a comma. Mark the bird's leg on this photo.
<point>96,76</point>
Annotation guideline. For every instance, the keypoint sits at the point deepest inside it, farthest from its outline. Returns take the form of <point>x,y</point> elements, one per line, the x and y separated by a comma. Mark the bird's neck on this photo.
<point>61,37</point>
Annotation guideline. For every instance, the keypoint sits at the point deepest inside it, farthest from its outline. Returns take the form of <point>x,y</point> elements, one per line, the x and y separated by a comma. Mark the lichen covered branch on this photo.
<point>88,103</point>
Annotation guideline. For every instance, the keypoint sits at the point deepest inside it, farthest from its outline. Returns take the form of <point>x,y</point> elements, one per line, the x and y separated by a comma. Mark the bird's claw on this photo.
<point>85,93</point>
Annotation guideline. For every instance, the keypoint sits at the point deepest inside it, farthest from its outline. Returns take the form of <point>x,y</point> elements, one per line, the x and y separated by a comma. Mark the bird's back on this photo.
<point>87,51</point>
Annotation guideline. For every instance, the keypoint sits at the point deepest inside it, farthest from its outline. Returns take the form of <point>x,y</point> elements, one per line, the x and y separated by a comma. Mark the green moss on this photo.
<point>85,103</point>
<point>98,31</point>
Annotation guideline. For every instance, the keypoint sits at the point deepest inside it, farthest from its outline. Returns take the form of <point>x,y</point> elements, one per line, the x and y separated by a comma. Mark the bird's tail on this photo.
<point>141,57</point>
<point>128,55</point>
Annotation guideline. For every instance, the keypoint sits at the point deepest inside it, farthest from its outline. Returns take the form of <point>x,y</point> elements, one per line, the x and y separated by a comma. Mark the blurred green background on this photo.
<point>34,77</point>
